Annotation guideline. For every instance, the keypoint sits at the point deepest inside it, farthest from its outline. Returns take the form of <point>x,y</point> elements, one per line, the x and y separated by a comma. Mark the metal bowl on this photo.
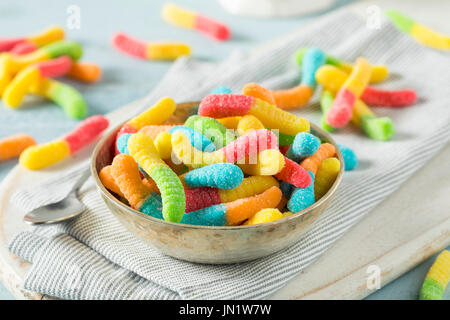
<point>203,244</point>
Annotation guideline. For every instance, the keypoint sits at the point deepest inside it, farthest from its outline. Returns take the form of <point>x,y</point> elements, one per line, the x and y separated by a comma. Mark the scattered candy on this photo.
<point>349,156</point>
<point>85,72</point>
<point>23,48</point>
<point>220,175</point>
<point>40,156</point>
<point>437,278</point>
<point>325,177</point>
<point>12,146</point>
<point>149,50</point>
<point>419,32</point>
<point>192,20</point>
<point>49,35</point>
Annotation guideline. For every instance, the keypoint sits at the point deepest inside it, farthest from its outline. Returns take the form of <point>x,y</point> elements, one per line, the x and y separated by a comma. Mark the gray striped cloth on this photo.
<point>94,257</point>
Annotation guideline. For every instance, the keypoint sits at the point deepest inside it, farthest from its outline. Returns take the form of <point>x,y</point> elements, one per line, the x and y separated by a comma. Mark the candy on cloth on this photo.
<point>12,146</point>
<point>333,78</point>
<point>211,129</point>
<point>313,59</point>
<point>267,163</point>
<point>302,198</point>
<point>248,123</point>
<point>437,278</point>
<point>163,144</point>
<point>47,36</point>
<point>227,105</point>
<point>250,186</point>
<point>312,163</point>
<point>65,96</point>
<point>143,150</point>
<point>153,130</point>
<point>325,177</point>
<point>108,180</point>
<point>149,50</point>
<point>326,101</point>
<point>379,72</point>
<point>385,98</point>
<point>264,216</point>
<point>349,156</point>
<point>292,98</point>
<point>85,72</point>
<point>41,156</point>
<point>192,20</point>
<point>248,145</point>
<point>23,48</point>
<point>419,32</point>
<point>294,174</point>
<point>221,89</point>
<point>230,122</point>
<point>218,175</point>
<point>32,76</point>
<point>341,110</point>
<point>197,139</point>
<point>305,144</point>
<point>381,129</point>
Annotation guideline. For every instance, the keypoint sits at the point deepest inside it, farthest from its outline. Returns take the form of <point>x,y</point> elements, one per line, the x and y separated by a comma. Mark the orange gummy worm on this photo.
<point>85,71</point>
<point>312,163</point>
<point>153,130</point>
<point>12,147</point>
<point>108,180</point>
<point>257,91</point>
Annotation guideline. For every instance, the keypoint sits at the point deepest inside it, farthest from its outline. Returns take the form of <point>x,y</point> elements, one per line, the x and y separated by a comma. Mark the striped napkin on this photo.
<point>94,257</point>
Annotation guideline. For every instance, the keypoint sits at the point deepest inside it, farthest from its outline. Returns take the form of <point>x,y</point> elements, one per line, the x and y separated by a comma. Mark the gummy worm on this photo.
<point>45,37</point>
<point>437,278</point>
<point>264,216</point>
<point>325,177</point>
<point>12,146</point>
<point>211,129</point>
<point>219,175</point>
<point>349,156</point>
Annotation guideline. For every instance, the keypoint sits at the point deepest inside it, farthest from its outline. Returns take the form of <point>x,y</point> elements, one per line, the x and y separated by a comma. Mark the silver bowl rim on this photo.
<point>295,215</point>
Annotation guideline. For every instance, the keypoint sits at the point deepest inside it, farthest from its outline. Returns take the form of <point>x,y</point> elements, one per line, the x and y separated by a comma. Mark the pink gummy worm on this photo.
<point>225,105</point>
<point>55,67</point>
<point>23,48</point>
<point>85,132</point>
<point>8,44</point>
<point>129,45</point>
<point>211,27</point>
<point>250,144</point>
<point>201,197</point>
<point>385,98</point>
<point>294,173</point>
<point>342,109</point>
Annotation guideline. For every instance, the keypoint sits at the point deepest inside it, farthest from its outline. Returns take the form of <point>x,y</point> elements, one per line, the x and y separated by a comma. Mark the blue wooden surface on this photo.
<point>126,79</point>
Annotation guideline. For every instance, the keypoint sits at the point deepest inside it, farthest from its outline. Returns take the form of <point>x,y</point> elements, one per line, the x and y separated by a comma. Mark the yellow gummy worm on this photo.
<point>230,122</point>
<point>250,186</point>
<point>248,123</point>
<point>379,72</point>
<point>163,144</point>
<point>5,71</point>
<point>359,78</point>
<point>20,85</point>
<point>41,156</point>
<point>264,216</point>
<point>325,177</point>
<point>157,114</point>
<point>268,162</point>
<point>49,35</point>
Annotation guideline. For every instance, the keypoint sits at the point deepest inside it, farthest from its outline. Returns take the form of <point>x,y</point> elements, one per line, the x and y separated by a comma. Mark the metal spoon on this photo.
<point>68,208</point>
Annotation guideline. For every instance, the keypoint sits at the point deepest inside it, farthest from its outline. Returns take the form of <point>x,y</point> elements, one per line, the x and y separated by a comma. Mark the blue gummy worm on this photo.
<point>313,59</point>
<point>302,198</point>
<point>218,175</point>
<point>153,206</point>
<point>221,90</point>
<point>210,216</point>
<point>122,143</point>
<point>350,158</point>
<point>305,144</point>
<point>197,139</point>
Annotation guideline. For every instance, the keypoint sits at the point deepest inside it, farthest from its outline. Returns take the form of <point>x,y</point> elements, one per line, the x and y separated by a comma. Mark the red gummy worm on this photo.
<point>284,149</point>
<point>250,144</point>
<point>201,197</point>
<point>294,173</point>
<point>225,105</point>
<point>86,131</point>
<point>342,109</point>
<point>211,27</point>
<point>129,45</point>
<point>385,98</point>
<point>23,48</point>
<point>8,44</point>
<point>55,67</point>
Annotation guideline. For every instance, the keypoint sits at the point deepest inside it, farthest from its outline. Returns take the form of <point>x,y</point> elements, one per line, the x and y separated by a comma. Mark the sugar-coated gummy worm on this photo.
<point>267,163</point>
<point>85,72</point>
<point>312,163</point>
<point>163,144</point>
<point>235,212</point>
<point>264,216</point>
<point>419,32</point>
<point>41,156</point>
<point>250,186</point>
<point>143,150</point>
<point>192,20</point>
<point>302,198</point>
<point>197,139</point>
<point>219,175</point>
<point>32,76</point>
<point>305,144</point>
<point>326,101</point>
<point>153,130</point>
<point>333,78</point>
<point>257,91</point>
<point>437,278</point>
<point>325,177</point>
<point>108,180</point>
<point>248,123</point>
<point>211,129</point>
<point>313,59</point>
<point>6,73</point>
<point>149,50</point>
<point>221,89</point>
<point>349,156</point>
<point>294,174</point>
<point>227,105</point>
<point>65,96</point>
<point>47,36</point>
<point>341,110</point>
<point>379,72</point>
<point>247,145</point>
<point>377,128</point>
<point>230,122</point>
<point>12,146</point>
<point>23,48</point>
